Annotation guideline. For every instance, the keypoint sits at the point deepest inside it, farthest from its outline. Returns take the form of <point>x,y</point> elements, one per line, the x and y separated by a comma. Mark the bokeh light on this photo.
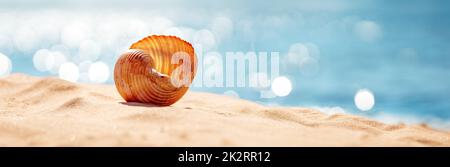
<point>368,30</point>
<point>205,39</point>
<point>89,50</point>
<point>98,72</point>
<point>222,27</point>
<point>5,65</point>
<point>69,72</point>
<point>364,100</point>
<point>25,39</point>
<point>75,33</point>
<point>43,60</point>
<point>281,86</point>
<point>304,57</point>
<point>60,59</point>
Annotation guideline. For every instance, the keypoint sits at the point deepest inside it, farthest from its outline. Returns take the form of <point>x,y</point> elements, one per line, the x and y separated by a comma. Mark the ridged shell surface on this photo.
<point>144,73</point>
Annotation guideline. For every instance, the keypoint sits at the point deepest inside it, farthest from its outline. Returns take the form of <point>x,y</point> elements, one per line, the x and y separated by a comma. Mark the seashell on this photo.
<point>146,74</point>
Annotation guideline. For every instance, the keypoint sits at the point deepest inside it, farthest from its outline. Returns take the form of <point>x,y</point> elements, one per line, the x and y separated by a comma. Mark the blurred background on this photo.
<point>396,52</point>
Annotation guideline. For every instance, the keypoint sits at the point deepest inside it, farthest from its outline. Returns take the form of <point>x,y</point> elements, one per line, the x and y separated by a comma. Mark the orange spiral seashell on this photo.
<point>146,73</point>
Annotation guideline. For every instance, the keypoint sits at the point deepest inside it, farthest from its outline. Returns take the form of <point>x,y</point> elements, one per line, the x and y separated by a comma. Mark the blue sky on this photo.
<point>397,49</point>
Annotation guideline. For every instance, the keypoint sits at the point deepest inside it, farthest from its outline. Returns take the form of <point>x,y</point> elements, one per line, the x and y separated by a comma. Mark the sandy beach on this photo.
<point>51,112</point>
